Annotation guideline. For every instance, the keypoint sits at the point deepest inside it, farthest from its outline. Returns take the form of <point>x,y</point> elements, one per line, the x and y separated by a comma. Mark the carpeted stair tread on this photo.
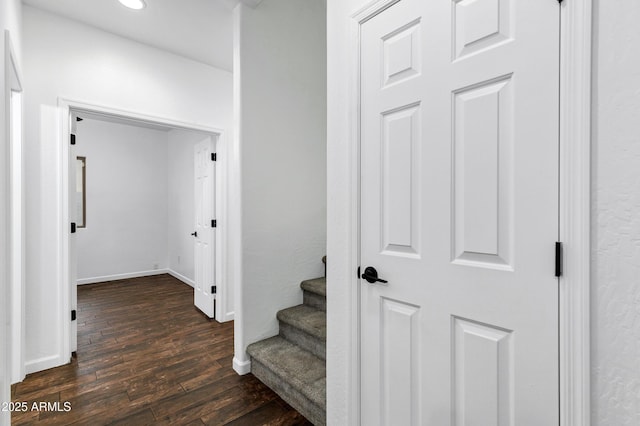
<point>317,286</point>
<point>301,369</point>
<point>306,318</point>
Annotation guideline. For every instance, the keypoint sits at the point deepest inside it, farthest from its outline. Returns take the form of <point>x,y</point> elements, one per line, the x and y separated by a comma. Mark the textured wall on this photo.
<point>281,81</point>
<point>616,215</point>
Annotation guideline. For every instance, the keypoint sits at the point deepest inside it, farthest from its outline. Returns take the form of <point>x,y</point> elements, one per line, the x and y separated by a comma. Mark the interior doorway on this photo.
<point>83,214</point>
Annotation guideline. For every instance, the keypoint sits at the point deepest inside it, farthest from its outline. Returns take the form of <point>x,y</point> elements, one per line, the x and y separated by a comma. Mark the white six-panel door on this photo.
<point>459,213</point>
<point>204,235</point>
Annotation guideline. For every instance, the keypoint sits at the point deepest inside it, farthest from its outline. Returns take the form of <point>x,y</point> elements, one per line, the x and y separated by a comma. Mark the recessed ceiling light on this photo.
<point>134,4</point>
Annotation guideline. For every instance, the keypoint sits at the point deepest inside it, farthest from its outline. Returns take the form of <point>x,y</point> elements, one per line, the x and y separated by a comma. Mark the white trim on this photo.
<point>116,277</point>
<point>15,212</point>
<point>241,367</point>
<point>42,364</point>
<point>235,203</point>
<point>66,106</point>
<point>181,277</point>
<point>131,115</point>
<point>575,169</point>
<point>17,267</point>
<point>575,211</point>
<point>63,262</point>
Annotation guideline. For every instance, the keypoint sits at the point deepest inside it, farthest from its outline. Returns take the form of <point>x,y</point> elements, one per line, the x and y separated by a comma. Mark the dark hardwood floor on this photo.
<point>147,356</point>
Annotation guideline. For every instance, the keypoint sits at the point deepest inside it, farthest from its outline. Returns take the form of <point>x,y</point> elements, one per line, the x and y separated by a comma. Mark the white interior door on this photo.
<point>459,213</point>
<point>204,234</point>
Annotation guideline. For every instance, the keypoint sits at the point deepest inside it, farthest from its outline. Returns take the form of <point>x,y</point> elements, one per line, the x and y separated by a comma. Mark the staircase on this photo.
<point>293,362</point>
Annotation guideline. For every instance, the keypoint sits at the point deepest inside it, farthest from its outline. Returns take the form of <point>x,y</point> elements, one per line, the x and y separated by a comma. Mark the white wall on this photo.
<point>10,11</point>
<point>616,215</point>
<point>280,73</point>
<point>127,221</point>
<point>181,202</point>
<point>63,58</point>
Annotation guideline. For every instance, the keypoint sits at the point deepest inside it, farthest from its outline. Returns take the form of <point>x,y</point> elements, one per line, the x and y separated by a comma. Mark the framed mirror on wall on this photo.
<point>81,193</point>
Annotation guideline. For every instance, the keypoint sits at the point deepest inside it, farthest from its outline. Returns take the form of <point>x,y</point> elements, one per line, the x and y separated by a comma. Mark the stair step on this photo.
<point>317,286</point>
<point>306,327</point>
<point>315,293</point>
<point>298,376</point>
<point>310,320</point>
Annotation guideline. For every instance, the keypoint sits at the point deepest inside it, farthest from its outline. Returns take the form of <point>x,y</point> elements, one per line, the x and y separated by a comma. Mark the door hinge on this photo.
<point>214,223</point>
<point>73,315</point>
<point>73,139</point>
<point>214,156</point>
<point>214,289</point>
<point>73,227</point>
<point>358,272</point>
<point>559,262</point>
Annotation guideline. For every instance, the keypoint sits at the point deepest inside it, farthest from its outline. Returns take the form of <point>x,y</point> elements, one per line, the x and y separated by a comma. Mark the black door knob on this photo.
<point>195,234</point>
<point>371,275</point>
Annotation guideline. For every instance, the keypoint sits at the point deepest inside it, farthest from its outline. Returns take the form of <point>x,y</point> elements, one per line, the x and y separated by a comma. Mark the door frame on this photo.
<point>222,145</point>
<point>16,212</point>
<point>574,215</point>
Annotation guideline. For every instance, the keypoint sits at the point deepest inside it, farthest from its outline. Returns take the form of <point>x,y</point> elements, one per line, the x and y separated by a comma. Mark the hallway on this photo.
<point>147,356</point>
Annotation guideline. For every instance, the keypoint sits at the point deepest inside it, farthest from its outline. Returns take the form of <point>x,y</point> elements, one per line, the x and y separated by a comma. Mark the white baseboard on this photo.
<point>230,316</point>
<point>45,363</point>
<point>182,278</point>
<point>106,278</point>
<point>241,367</point>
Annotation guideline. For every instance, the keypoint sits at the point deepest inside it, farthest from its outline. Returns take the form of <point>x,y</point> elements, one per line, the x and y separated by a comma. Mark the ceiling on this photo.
<point>201,30</point>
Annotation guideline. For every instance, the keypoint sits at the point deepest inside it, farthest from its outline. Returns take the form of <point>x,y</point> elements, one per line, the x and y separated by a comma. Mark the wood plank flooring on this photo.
<point>147,356</point>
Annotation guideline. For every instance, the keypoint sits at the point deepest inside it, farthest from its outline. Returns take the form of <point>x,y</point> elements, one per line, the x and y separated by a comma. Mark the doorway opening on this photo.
<point>148,164</point>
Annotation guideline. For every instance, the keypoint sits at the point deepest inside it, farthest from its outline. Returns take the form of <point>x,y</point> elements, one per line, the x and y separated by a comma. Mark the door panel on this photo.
<point>482,373</point>
<point>459,213</point>
<point>400,185</point>
<point>479,25</point>
<point>400,331</point>
<point>482,176</point>
<point>204,238</point>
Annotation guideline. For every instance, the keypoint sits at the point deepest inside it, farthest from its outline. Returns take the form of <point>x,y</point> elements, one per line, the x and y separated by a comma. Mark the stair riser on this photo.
<point>314,300</point>
<point>314,413</point>
<point>306,341</point>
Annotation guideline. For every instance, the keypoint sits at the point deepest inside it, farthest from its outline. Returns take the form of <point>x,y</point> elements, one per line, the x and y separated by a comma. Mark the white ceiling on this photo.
<point>201,30</point>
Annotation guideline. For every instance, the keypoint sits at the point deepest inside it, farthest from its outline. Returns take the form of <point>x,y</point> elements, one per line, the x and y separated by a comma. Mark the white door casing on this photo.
<point>73,240</point>
<point>16,214</point>
<point>459,212</point>
<point>204,235</point>
<point>17,267</point>
<point>66,299</point>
